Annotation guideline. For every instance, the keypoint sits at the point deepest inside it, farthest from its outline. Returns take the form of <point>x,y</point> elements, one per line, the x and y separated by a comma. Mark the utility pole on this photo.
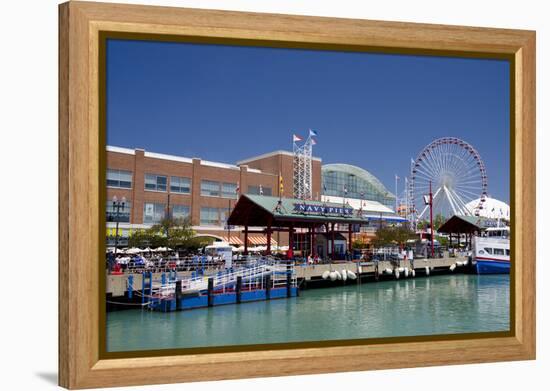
<point>431,220</point>
<point>396,178</point>
<point>227,221</point>
<point>168,216</point>
<point>118,205</point>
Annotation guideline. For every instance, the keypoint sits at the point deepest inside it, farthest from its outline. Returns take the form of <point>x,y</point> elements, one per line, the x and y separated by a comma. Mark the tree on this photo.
<point>169,232</point>
<point>422,224</point>
<point>393,235</point>
<point>146,238</point>
<point>442,240</point>
<point>359,244</point>
<point>438,221</point>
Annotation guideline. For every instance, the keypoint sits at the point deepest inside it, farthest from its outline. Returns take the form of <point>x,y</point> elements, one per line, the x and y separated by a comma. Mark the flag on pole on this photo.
<point>313,132</point>
<point>296,138</point>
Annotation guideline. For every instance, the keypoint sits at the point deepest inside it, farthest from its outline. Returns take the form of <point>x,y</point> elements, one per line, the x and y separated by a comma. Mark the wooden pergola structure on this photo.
<point>288,214</point>
<point>468,225</point>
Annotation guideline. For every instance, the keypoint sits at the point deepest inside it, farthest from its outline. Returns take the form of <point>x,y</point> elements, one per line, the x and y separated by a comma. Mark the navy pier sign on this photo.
<point>322,209</point>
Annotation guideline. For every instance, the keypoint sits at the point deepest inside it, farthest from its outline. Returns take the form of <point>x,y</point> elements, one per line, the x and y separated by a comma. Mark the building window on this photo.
<point>224,215</point>
<point>119,178</point>
<point>153,213</point>
<point>229,190</point>
<point>180,212</point>
<point>343,184</point>
<point>210,216</point>
<point>180,185</point>
<point>155,182</point>
<point>256,190</point>
<point>123,212</point>
<point>210,188</point>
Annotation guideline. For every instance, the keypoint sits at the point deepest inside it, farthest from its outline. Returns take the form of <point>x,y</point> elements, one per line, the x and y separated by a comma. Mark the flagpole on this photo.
<point>227,221</point>
<point>407,195</point>
<point>395,193</point>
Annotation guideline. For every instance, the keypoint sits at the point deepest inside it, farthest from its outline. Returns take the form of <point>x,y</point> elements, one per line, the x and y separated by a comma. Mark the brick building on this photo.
<point>205,191</point>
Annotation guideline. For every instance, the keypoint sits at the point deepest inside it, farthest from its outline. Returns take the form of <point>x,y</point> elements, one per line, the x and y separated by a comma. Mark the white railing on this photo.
<point>252,278</point>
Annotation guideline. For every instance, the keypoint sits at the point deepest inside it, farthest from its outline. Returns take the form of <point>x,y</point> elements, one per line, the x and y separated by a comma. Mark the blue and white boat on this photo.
<point>491,251</point>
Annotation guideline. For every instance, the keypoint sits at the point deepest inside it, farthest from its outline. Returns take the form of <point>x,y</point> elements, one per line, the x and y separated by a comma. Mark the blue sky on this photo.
<point>376,111</point>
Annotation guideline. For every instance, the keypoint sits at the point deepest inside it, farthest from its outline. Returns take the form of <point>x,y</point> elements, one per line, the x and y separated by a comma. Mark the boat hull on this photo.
<point>492,266</point>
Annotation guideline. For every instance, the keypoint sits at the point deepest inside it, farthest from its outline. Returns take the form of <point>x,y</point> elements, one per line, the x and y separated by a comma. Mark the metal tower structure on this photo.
<point>302,158</point>
<point>411,211</point>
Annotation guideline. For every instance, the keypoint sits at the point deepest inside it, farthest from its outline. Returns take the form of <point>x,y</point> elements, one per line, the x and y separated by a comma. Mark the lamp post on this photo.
<point>428,200</point>
<point>431,219</point>
<point>118,205</point>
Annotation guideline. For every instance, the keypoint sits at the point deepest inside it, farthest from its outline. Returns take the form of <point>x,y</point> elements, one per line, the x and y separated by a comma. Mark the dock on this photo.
<point>205,288</point>
<point>172,290</point>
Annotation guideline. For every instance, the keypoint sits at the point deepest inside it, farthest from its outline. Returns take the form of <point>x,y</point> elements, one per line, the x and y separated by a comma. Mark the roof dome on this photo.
<point>358,172</point>
<point>492,208</point>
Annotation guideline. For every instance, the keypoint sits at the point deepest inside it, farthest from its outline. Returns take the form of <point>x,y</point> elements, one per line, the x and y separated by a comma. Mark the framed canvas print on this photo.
<point>247,195</point>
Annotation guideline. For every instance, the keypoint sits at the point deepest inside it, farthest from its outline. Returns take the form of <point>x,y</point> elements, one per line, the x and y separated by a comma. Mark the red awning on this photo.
<point>233,240</point>
<point>260,240</point>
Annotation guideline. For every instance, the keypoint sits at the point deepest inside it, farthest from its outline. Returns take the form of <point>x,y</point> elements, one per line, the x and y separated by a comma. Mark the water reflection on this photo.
<point>422,306</point>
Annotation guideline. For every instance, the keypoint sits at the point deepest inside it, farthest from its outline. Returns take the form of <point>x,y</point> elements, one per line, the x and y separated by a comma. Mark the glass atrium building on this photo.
<point>359,184</point>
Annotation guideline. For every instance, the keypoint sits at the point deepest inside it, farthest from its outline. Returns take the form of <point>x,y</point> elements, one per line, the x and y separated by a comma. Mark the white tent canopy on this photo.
<point>162,249</point>
<point>492,208</point>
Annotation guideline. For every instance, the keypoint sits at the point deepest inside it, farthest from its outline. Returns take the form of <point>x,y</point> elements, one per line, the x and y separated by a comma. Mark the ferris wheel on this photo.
<point>454,171</point>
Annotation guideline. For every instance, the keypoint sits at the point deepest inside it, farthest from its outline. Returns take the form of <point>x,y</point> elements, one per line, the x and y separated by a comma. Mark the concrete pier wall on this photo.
<point>117,284</point>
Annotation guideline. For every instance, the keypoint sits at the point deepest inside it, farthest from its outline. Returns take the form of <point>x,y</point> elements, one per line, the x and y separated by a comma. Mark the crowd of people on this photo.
<point>121,263</point>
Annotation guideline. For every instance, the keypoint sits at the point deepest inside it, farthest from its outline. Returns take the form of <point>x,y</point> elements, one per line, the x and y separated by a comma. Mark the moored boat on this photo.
<point>491,252</point>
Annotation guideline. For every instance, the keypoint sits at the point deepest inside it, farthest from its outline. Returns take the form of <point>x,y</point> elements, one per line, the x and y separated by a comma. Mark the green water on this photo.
<point>422,306</point>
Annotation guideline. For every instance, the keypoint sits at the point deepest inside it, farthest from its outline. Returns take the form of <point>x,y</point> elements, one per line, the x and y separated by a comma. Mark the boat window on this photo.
<point>499,251</point>
<point>507,252</point>
<point>481,252</point>
<point>489,250</point>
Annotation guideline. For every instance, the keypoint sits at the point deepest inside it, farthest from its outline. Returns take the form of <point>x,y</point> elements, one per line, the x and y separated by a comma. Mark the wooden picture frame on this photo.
<point>81,143</point>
